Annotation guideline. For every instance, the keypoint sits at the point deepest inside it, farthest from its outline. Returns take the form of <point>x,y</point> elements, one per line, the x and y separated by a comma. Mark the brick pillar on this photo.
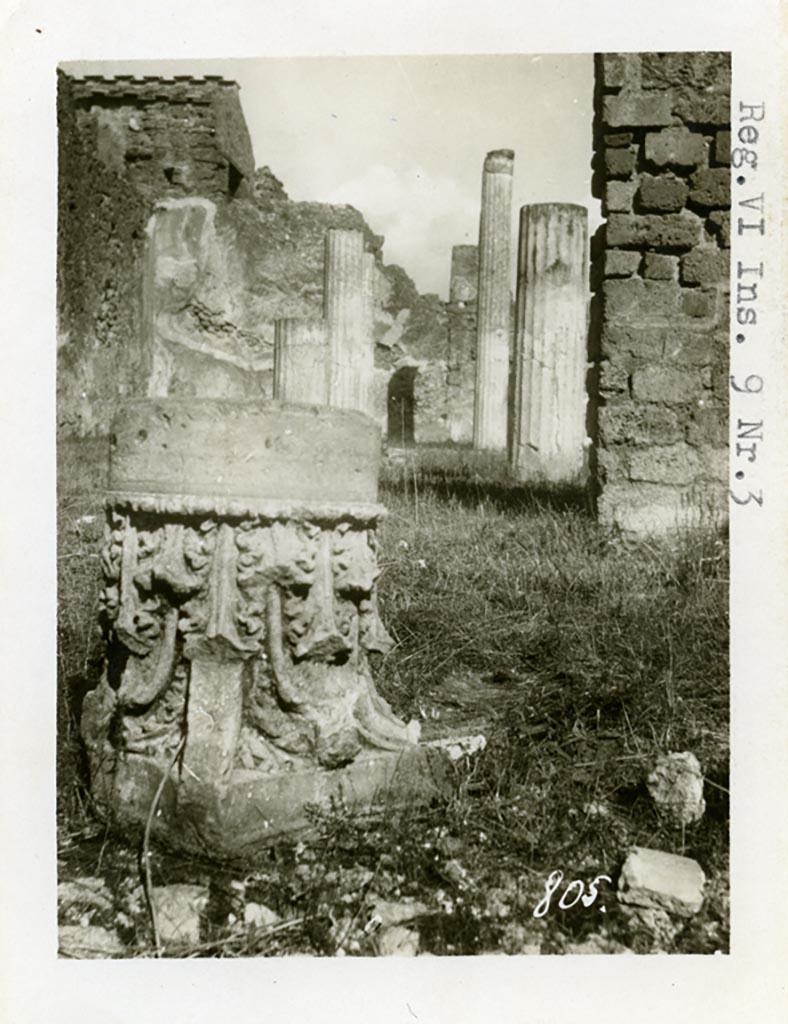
<point>550,346</point>
<point>349,379</point>
<point>490,415</point>
<point>662,169</point>
<point>301,361</point>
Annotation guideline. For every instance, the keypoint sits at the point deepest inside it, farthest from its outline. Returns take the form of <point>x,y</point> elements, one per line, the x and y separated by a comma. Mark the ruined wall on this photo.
<point>661,168</point>
<point>175,259</point>
<point>123,145</point>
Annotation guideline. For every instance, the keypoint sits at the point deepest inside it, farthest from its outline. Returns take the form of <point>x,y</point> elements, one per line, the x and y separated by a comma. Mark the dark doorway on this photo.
<point>401,406</point>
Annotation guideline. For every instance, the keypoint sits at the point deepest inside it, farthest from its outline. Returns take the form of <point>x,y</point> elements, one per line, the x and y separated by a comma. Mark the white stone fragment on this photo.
<point>458,747</point>
<point>88,942</point>
<point>257,915</point>
<point>178,909</point>
<point>652,878</point>
<point>676,787</point>
<point>398,941</point>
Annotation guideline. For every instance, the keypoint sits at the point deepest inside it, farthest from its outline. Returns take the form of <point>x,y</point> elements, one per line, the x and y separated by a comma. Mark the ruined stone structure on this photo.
<point>239,608</point>
<point>462,328</point>
<point>491,399</point>
<point>548,444</point>
<point>176,260</point>
<point>662,156</point>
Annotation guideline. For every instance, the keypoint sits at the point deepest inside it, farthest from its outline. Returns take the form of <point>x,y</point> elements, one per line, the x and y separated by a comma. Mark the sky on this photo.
<point>403,139</point>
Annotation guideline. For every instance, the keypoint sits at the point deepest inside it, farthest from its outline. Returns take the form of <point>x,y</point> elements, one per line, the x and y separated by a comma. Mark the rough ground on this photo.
<point>581,655</point>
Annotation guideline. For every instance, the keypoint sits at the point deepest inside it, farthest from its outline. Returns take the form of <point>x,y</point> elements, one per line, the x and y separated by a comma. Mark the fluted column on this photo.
<point>549,430</point>
<point>349,369</point>
<point>301,361</point>
<point>367,351</point>
<point>494,303</point>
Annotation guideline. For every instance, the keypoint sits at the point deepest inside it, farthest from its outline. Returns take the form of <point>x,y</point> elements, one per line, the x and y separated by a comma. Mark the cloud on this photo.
<point>421,216</point>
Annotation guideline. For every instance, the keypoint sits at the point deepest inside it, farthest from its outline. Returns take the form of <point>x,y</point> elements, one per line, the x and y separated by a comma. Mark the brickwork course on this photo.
<point>661,272</point>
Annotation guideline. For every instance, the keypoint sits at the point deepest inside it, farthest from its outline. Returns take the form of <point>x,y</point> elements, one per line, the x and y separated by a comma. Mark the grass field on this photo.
<point>579,654</point>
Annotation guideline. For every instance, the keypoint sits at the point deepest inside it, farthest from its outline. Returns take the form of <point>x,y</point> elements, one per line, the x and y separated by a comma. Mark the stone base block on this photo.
<point>238,817</point>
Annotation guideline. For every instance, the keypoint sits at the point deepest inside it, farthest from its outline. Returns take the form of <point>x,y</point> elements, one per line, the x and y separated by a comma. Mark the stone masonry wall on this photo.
<point>661,268</point>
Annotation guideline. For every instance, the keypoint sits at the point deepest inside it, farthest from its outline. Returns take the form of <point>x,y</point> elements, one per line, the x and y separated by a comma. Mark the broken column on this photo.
<point>240,609</point>
<point>301,361</point>
<point>550,357</point>
<point>462,328</point>
<point>490,417</point>
<point>350,341</point>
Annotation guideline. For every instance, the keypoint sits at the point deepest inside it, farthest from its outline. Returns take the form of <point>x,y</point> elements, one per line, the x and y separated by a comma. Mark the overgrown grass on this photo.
<point>579,653</point>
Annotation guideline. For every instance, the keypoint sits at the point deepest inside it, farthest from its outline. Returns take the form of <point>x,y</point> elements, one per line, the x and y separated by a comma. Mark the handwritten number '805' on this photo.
<point>554,881</point>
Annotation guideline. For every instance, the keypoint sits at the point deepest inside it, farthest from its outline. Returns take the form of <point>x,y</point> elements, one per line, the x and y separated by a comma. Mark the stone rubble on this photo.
<point>178,910</point>
<point>676,787</point>
<point>664,881</point>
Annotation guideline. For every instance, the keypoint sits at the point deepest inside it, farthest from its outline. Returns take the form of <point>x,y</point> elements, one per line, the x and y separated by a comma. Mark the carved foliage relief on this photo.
<point>287,606</point>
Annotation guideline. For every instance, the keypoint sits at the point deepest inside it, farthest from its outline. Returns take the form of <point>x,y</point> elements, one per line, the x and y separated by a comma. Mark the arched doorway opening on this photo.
<point>401,407</point>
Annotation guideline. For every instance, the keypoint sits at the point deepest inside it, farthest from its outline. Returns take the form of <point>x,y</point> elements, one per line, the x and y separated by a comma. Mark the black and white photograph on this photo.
<point>412,466</point>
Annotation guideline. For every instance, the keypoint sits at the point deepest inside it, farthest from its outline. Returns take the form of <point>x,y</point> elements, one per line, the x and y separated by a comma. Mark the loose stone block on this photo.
<point>619,196</point>
<point>711,187</point>
<point>240,609</point>
<point>651,878</point>
<point>620,163</point>
<point>663,192</point>
<point>657,267</point>
<point>637,110</point>
<point>651,231</point>
<point>549,401</point>
<point>705,266</point>
<point>676,787</point>
<point>301,361</point>
<point>178,909</point>
<point>490,414</point>
<point>621,263</point>
<point>675,147</point>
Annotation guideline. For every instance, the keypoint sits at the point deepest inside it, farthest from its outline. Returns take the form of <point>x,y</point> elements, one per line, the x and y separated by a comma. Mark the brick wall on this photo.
<point>661,269</point>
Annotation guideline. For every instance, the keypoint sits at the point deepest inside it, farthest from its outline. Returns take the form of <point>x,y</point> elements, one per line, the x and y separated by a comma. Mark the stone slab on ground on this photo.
<point>178,909</point>
<point>665,881</point>
<point>87,892</point>
<point>88,942</point>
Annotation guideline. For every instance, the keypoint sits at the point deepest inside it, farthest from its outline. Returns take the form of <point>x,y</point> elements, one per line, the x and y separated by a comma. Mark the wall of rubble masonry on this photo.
<point>660,272</point>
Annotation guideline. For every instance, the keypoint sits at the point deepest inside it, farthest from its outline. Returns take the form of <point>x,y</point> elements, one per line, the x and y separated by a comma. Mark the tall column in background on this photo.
<point>490,414</point>
<point>301,361</point>
<point>549,414</point>
<point>349,375</point>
